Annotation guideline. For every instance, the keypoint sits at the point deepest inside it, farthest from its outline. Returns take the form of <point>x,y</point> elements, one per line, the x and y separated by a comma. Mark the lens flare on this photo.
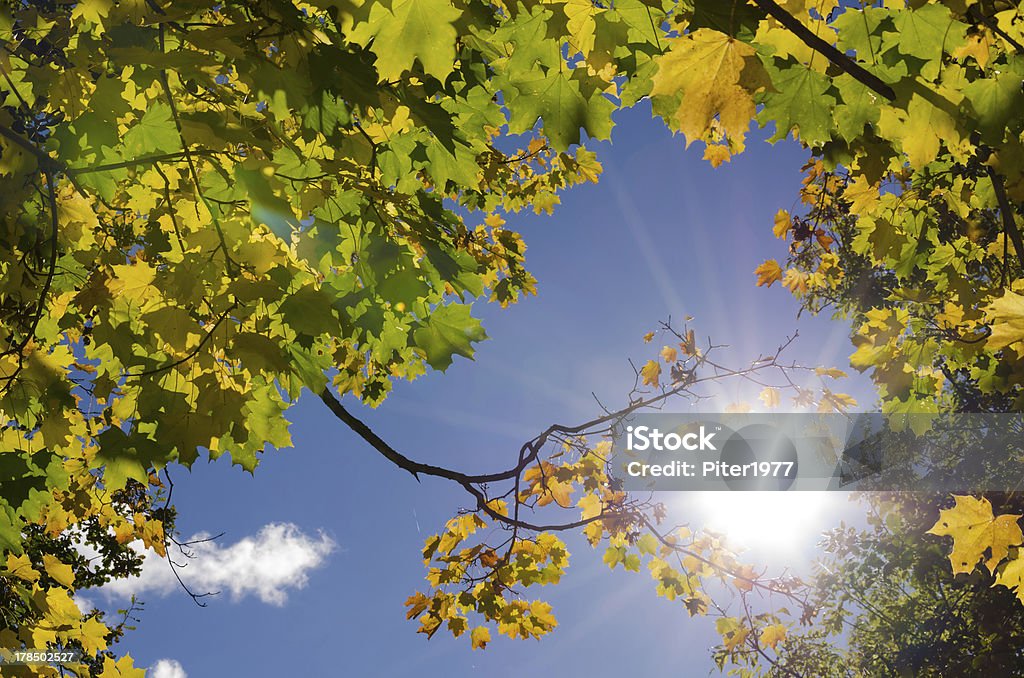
<point>776,526</point>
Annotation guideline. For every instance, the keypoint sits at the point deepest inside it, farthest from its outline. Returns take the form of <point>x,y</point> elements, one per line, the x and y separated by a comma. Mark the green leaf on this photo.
<point>800,101</point>
<point>998,101</point>
<point>154,133</point>
<point>448,331</point>
<point>557,100</point>
<point>928,31</point>
<point>413,30</point>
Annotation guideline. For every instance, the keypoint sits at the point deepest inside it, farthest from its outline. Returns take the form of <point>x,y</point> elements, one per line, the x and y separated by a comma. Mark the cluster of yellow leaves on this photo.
<point>478,581</point>
<point>49,616</point>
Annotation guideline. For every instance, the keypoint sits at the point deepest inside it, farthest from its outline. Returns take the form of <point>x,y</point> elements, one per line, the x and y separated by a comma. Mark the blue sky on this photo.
<point>663,233</point>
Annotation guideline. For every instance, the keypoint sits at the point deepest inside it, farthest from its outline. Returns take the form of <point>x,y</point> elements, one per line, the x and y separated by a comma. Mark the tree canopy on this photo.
<point>212,207</point>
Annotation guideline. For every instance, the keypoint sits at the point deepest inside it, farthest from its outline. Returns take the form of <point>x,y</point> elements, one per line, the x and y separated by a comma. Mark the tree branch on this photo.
<point>840,60</point>
<point>1006,212</point>
<point>50,273</point>
<point>193,353</point>
<point>46,163</point>
<point>531,449</point>
<point>975,14</point>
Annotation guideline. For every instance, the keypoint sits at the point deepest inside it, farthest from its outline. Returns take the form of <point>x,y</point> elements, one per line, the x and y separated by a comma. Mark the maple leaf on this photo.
<point>926,127</point>
<point>795,281</point>
<point>1011,575</point>
<point>770,397</point>
<point>1006,316</point>
<point>768,273</point>
<point>974,531</point>
<point>590,506</point>
<point>133,281</point>
<point>978,46</point>
<point>783,224</point>
<point>717,77</point>
<point>650,373</point>
<point>412,30</point>
<point>60,572</point>
<point>800,101</point>
<point>447,332</point>
<point>93,11</point>
<point>668,354</point>
<point>21,567</point>
<point>121,668</point>
<point>558,99</point>
<point>772,635</point>
<point>480,636</point>
<point>840,402</point>
<point>689,344</point>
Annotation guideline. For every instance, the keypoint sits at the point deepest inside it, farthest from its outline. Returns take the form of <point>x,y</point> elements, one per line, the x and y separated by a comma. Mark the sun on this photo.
<point>780,527</point>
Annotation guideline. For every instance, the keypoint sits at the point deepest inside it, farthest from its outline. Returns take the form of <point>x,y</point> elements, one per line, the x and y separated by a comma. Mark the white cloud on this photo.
<point>84,603</point>
<point>266,565</point>
<point>167,668</point>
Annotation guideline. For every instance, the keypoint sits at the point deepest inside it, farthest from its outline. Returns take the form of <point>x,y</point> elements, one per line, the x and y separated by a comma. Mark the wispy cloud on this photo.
<point>266,565</point>
<point>167,668</point>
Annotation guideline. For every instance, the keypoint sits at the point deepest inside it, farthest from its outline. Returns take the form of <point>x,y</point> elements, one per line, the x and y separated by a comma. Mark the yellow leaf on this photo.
<point>744,578</point>
<point>668,354</point>
<point>689,344</point>
<point>782,224</point>
<point>559,492</point>
<point>93,11</point>
<point>1011,575</point>
<point>786,44</point>
<point>480,636</point>
<point>590,506</point>
<point>977,46</point>
<point>417,604</point>
<point>21,567</point>
<point>593,532</point>
<point>716,154</point>
<point>499,506</point>
<point>60,572</point>
<point>648,337</point>
<point>737,408</point>
<point>122,668</point>
<point>772,635</point>
<point>862,195</point>
<point>1006,316</point>
<point>840,402</point>
<point>650,373</point>
<point>795,281</point>
<point>581,25</point>
<point>494,221</point>
<point>717,76</point>
<point>926,128</point>
<point>535,146</point>
<point>134,281</point>
<point>768,272</point>
<point>770,397</point>
<point>735,639</point>
<point>975,530</point>
<point>94,635</point>
<point>829,372</point>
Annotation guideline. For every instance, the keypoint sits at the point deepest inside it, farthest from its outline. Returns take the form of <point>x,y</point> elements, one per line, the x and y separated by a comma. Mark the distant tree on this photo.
<point>886,605</point>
